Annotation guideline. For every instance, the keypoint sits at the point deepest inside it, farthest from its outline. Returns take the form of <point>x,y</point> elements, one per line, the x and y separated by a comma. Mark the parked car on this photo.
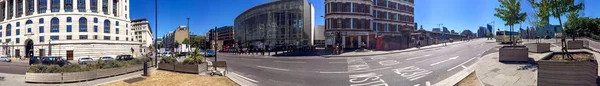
<point>4,59</point>
<point>210,53</point>
<point>106,58</point>
<point>85,60</point>
<point>124,57</point>
<point>35,60</point>
<point>54,60</point>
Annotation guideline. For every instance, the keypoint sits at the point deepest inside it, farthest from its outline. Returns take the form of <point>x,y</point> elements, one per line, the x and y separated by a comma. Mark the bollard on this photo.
<point>145,69</point>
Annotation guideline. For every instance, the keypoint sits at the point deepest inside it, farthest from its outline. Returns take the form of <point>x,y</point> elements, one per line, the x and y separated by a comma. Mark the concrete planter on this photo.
<point>513,53</point>
<point>43,77</point>
<point>203,67</point>
<point>575,44</point>
<point>163,66</point>
<point>567,73</point>
<point>78,76</point>
<point>186,68</point>
<point>538,47</point>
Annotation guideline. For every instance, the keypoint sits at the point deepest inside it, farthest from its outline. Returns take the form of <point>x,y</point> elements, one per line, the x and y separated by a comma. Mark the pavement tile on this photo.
<point>494,82</point>
<point>509,79</point>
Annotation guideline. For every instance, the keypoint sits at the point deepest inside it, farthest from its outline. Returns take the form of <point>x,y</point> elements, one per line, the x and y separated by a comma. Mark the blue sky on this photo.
<point>206,14</point>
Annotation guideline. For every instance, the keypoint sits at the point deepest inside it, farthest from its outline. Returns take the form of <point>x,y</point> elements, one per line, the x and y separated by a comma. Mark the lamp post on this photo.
<point>49,47</point>
<point>155,33</point>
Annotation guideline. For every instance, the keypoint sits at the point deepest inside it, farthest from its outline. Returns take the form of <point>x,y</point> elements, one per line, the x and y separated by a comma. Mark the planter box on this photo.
<point>575,44</point>
<point>203,67</point>
<point>186,68</point>
<point>538,47</point>
<point>101,73</point>
<point>79,76</point>
<point>567,73</point>
<point>166,66</point>
<point>513,53</point>
<point>133,68</point>
<point>43,77</point>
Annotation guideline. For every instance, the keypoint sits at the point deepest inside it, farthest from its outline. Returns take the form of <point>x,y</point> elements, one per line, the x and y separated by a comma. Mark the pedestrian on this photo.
<point>419,44</point>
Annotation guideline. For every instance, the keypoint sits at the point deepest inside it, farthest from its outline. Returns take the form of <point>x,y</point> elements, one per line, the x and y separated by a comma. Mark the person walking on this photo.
<point>418,44</point>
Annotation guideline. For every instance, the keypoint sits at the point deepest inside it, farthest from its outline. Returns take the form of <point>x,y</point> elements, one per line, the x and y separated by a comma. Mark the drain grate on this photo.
<point>133,80</point>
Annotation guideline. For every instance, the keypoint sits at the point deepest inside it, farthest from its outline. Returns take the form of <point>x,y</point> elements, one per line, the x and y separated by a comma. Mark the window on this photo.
<point>69,37</point>
<point>95,20</point>
<point>106,37</point>
<point>83,37</point>
<point>106,26</point>
<point>54,38</point>
<point>82,24</point>
<point>95,36</point>
<point>30,5</point>
<point>28,30</point>
<point>18,40</point>
<point>348,7</point>
<point>105,6</point>
<point>7,40</point>
<point>18,31</point>
<point>95,28</point>
<point>41,29</point>
<point>8,30</point>
<point>69,19</point>
<point>114,8</point>
<point>116,23</point>
<point>18,24</point>
<point>117,31</point>
<point>68,5</point>
<point>42,39</point>
<point>19,8</point>
<point>117,38</point>
<point>94,6</point>
<point>354,23</point>
<point>69,28</point>
<point>54,25</point>
<point>55,5</point>
<point>81,5</point>
<point>42,6</point>
<point>10,9</point>
<point>41,21</point>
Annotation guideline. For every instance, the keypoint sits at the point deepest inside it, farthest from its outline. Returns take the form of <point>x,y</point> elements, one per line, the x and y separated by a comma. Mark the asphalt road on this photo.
<point>14,67</point>
<point>423,67</point>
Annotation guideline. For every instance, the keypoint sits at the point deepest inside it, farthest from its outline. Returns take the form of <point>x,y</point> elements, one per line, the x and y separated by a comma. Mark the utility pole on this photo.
<point>214,37</point>
<point>155,33</point>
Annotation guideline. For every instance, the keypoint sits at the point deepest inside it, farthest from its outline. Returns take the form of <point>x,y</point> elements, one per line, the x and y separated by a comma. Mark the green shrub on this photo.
<point>37,68</point>
<point>52,69</point>
<point>168,60</point>
<point>113,64</point>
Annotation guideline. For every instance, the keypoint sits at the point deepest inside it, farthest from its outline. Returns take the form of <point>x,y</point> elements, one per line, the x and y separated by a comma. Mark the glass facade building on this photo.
<point>276,23</point>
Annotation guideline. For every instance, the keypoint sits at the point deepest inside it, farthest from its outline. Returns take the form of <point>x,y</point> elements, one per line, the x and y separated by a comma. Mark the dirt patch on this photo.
<point>470,80</point>
<point>166,78</point>
<point>576,56</point>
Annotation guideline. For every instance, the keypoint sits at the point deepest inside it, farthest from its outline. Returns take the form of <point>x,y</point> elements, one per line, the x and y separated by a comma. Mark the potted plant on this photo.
<point>538,47</point>
<point>572,69</point>
<point>166,63</point>
<point>510,12</point>
<point>190,64</point>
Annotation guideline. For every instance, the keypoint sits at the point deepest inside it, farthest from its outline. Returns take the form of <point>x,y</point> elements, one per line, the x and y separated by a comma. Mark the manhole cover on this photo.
<point>495,70</point>
<point>134,80</point>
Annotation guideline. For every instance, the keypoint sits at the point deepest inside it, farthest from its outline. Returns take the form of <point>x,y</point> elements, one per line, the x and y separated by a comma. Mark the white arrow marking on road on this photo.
<point>418,57</point>
<point>273,68</point>
<point>443,61</point>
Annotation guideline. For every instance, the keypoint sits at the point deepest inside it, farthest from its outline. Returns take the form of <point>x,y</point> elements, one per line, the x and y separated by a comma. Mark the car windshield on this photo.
<point>86,58</point>
<point>106,57</point>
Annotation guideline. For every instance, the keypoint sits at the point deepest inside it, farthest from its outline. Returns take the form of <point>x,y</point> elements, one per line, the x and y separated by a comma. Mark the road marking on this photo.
<point>427,83</point>
<point>251,59</point>
<point>358,71</point>
<point>337,62</point>
<point>273,68</point>
<point>243,77</point>
<point>462,64</point>
<point>388,62</point>
<point>428,59</point>
<point>418,57</point>
<point>444,61</point>
<point>289,62</point>
<point>417,84</point>
<point>367,79</point>
<point>412,73</point>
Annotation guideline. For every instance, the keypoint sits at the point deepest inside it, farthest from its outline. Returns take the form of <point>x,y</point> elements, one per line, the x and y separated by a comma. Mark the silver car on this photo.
<point>85,60</point>
<point>4,59</point>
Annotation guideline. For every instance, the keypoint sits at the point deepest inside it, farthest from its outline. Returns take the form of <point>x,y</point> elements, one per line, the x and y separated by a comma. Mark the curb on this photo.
<point>328,56</point>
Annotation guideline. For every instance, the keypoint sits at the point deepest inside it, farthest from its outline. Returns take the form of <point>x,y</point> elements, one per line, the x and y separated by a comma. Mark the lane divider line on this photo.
<point>358,71</point>
<point>418,57</point>
<point>462,64</point>
<point>443,61</point>
<point>273,68</point>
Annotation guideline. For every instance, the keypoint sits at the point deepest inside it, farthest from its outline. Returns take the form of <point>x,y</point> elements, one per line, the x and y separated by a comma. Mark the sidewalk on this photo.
<point>19,80</point>
<point>372,53</point>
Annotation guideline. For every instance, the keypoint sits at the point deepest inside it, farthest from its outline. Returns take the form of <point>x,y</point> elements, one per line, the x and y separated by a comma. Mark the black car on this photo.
<point>54,60</point>
<point>124,57</point>
<point>35,60</point>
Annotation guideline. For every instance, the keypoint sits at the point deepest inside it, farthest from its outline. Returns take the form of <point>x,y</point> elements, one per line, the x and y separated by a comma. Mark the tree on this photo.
<point>186,41</point>
<point>509,11</point>
<point>557,9</point>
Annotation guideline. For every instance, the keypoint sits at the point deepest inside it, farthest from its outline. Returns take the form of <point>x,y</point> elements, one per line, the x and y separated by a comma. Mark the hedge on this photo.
<point>39,68</point>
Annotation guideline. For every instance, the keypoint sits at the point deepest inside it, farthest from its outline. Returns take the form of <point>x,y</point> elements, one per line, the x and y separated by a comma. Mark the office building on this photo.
<point>225,37</point>
<point>142,33</point>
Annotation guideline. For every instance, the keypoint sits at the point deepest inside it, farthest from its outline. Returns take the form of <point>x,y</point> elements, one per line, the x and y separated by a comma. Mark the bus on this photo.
<point>503,36</point>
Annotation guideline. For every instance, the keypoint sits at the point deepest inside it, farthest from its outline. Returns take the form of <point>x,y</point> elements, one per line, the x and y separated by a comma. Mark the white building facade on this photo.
<point>143,34</point>
<point>68,28</point>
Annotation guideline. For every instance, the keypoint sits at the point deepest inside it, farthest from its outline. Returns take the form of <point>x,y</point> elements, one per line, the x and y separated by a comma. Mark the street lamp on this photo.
<point>49,48</point>
<point>155,33</point>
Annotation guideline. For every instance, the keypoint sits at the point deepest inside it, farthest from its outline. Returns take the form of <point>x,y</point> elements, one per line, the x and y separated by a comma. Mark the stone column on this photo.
<point>109,7</point>
<point>35,7</point>
<point>344,41</point>
<point>75,8</point>
<point>48,6</point>
<point>61,5</point>
<point>368,41</point>
<point>360,41</point>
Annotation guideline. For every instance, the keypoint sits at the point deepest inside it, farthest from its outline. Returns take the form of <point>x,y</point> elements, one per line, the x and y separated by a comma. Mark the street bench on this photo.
<point>220,64</point>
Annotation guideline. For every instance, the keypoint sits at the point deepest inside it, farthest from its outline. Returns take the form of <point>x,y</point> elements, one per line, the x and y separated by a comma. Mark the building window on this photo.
<point>69,19</point>
<point>42,6</point>
<point>94,6</point>
<point>41,21</point>
<point>68,5</point>
<point>18,24</point>
<point>54,25</point>
<point>95,20</point>
<point>83,37</point>
<point>55,5</point>
<point>69,37</point>
<point>54,38</point>
<point>28,30</point>
<point>30,5</point>
<point>8,30</point>
<point>105,6</point>
<point>18,40</point>
<point>10,9</point>
<point>106,37</point>
<point>82,24</point>
<point>114,8</point>
<point>117,38</point>
<point>116,23</point>
<point>41,29</point>
<point>106,26</point>
<point>69,28</point>
<point>81,5</point>
<point>42,39</point>
<point>19,8</point>
<point>18,31</point>
<point>7,40</point>
<point>95,28</point>
<point>95,36</point>
<point>117,30</point>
